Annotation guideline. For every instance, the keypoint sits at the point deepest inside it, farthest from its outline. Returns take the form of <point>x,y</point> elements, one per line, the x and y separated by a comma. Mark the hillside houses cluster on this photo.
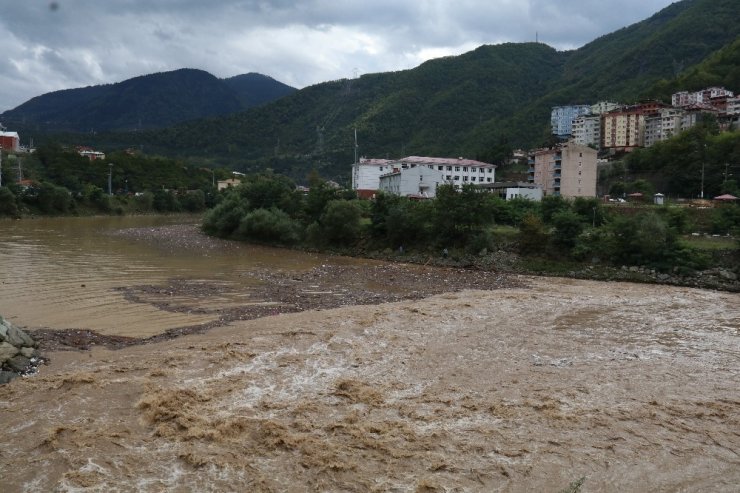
<point>614,127</point>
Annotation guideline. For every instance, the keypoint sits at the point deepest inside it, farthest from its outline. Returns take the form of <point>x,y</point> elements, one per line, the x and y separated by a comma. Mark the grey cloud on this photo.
<point>299,43</point>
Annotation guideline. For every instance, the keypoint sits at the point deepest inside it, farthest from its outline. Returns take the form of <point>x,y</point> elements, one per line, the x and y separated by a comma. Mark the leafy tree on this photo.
<point>8,204</point>
<point>568,225</point>
<point>166,201</point>
<point>273,226</point>
<point>52,199</point>
<point>193,201</point>
<point>407,222</point>
<point>225,218</point>
<point>532,235</point>
<point>459,214</point>
<point>551,205</point>
<point>340,222</point>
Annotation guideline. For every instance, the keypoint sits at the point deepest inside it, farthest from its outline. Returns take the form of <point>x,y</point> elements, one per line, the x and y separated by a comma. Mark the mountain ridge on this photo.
<point>147,101</point>
<point>476,104</point>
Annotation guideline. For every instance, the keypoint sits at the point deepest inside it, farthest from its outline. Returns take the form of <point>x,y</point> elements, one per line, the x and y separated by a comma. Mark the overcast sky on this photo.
<point>51,45</point>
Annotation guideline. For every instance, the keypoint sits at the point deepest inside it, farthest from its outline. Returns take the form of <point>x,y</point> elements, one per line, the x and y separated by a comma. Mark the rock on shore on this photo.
<point>18,353</point>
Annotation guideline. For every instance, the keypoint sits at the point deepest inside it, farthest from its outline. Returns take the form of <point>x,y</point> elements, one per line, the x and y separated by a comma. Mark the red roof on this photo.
<point>726,196</point>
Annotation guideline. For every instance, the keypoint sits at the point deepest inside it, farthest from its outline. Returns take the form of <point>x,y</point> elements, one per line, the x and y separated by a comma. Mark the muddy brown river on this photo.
<point>484,382</point>
<point>67,273</point>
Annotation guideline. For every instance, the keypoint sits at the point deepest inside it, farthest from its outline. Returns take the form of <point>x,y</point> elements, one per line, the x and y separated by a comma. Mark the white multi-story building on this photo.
<point>417,182</point>
<point>704,97</point>
<point>663,125</point>
<point>367,172</point>
<point>458,171</point>
<point>561,118</point>
<point>587,130</point>
<point>366,175</point>
<point>733,106</point>
<point>604,107</point>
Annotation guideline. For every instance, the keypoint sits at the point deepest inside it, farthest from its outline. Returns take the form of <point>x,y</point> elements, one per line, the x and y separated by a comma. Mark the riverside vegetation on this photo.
<point>468,228</point>
<point>59,181</point>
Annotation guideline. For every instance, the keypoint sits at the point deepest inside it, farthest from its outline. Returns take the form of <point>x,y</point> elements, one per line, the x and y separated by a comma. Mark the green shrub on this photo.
<point>193,201</point>
<point>340,222</point>
<point>273,226</point>
<point>568,225</point>
<point>8,203</point>
<point>532,235</point>
<point>225,218</point>
<point>53,199</point>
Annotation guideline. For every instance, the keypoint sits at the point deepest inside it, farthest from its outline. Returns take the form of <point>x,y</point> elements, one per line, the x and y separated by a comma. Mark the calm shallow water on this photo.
<point>66,273</point>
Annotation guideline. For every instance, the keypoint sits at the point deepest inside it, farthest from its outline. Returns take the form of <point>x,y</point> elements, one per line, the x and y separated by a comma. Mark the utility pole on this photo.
<point>110,179</point>
<point>20,171</point>
<point>1,166</point>
<point>355,146</point>
<point>701,196</point>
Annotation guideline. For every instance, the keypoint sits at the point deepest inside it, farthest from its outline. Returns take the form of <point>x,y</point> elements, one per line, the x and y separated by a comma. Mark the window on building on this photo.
<point>440,168</point>
<point>381,168</point>
<point>457,178</point>
<point>448,177</point>
<point>580,154</point>
<point>488,180</point>
<point>465,178</point>
<point>457,168</point>
<point>482,170</point>
<point>431,167</point>
<point>490,170</point>
<point>472,179</point>
<point>449,168</point>
<point>465,168</point>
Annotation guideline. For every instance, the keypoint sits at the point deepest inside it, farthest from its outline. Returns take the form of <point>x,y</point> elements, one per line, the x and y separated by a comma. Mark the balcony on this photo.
<point>530,170</point>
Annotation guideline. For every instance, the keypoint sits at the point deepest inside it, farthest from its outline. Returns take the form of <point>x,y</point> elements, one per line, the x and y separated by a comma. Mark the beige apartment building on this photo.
<point>623,130</point>
<point>568,170</point>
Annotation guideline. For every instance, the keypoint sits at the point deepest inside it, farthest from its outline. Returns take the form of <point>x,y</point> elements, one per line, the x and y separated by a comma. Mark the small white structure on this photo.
<point>658,198</point>
<point>416,182</point>
<point>231,182</point>
<point>509,190</point>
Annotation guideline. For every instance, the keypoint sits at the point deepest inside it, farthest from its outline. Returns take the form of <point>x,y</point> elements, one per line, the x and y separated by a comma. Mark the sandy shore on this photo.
<point>531,387</point>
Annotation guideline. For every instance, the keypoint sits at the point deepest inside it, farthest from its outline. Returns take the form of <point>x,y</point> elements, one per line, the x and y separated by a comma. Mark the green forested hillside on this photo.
<point>474,105</point>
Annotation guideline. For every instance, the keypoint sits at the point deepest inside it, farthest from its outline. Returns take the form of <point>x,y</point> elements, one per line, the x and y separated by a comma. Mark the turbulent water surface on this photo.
<point>537,386</point>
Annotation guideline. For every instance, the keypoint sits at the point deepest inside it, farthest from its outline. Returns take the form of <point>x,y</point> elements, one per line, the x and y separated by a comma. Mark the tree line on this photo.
<point>60,181</point>
<point>266,208</point>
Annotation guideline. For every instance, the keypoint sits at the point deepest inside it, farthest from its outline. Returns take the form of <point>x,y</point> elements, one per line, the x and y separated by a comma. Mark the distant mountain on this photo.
<point>470,105</point>
<point>150,101</point>
<point>475,105</point>
<point>254,89</point>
